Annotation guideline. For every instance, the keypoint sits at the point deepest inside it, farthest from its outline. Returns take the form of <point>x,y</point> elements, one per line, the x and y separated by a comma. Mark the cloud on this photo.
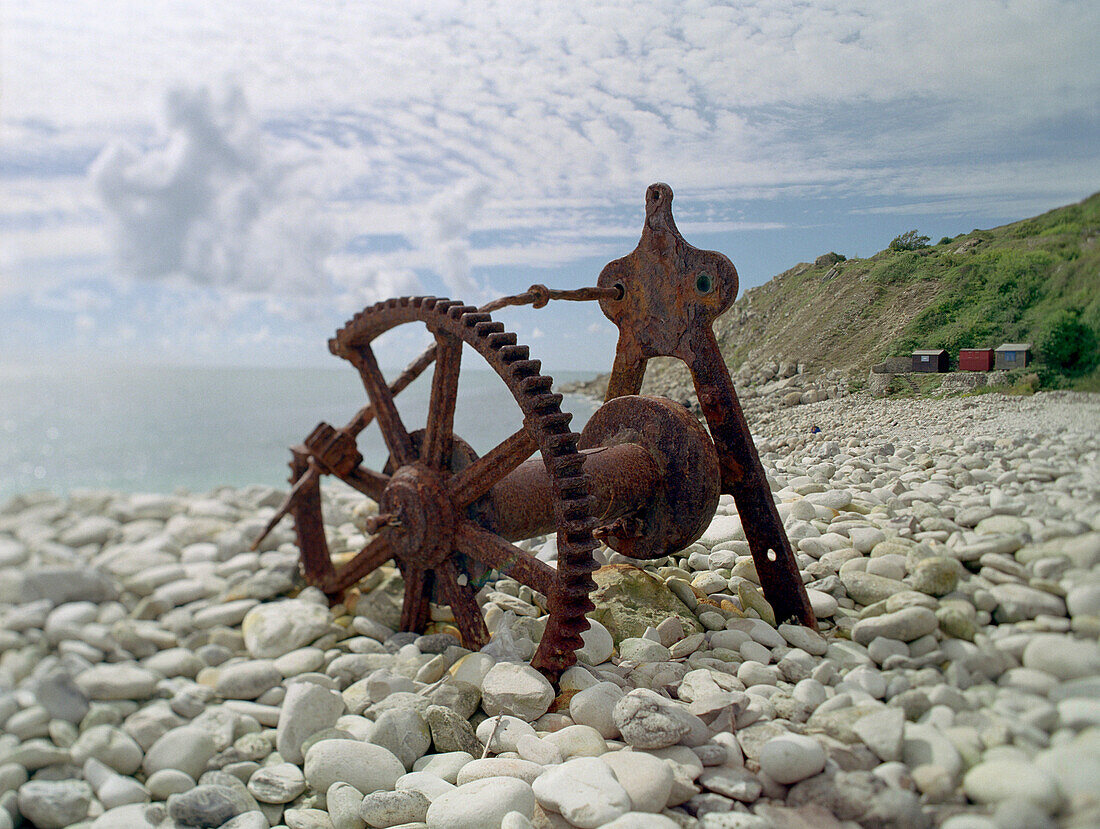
<point>445,225</point>
<point>208,201</point>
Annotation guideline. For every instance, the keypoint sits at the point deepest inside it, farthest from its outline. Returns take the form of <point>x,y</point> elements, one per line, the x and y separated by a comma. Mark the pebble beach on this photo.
<point>156,673</point>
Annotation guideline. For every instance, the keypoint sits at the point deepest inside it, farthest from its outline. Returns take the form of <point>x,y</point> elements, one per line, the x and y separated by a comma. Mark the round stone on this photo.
<point>54,804</point>
<point>1062,656</point>
<point>516,689</point>
<point>791,757</point>
<point>365,766</point>
<point>997,780</point>
<point>280,783</point>
<point>392,808</point>
<point>276,628</point>
<point>187,748</point>
<point>481,803</point>
<point>584,791</point>
<point>307,709</point>
<point>207,805</point>
<point>646,779</point>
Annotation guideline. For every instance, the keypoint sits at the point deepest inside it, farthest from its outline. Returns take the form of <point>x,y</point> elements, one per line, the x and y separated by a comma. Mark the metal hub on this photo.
<point>422,527</point>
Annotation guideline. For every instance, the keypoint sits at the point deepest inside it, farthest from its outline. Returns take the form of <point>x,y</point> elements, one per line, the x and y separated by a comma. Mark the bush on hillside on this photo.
<point>1069,344</point>
<point>910,240</point>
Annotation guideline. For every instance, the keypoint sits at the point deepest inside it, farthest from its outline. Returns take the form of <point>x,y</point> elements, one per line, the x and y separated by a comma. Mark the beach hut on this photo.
<point>975,359</point>
<point>1013,355</point>
<point>930,359</point>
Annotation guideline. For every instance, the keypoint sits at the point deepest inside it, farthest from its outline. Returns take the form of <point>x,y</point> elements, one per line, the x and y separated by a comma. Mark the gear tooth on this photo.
<point>474,317</point>
<point>525,368</point>
<point>489,327</point>
<point>557,421</point>
<point>504,338</point>
<point>514,353</point>
<point>455,312</point>
<point>538,384</point>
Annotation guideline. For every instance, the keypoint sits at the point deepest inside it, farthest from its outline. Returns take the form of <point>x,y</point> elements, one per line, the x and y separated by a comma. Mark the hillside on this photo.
<point>1013,283</point>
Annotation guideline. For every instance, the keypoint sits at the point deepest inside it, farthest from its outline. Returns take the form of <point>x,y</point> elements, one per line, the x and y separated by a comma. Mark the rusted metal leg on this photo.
<point>306,508</point>
<point>743,477</point>
<point>628,372</point>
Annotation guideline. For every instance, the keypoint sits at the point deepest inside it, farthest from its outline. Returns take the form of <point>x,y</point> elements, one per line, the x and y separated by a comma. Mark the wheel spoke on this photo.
<point>418,591</point>
<point>370,483</point>
<point>505,557</point>
<point>478,478</point>
<point>436,450</point>
<point>376,553</point>
<point>385,411</point>
<point>464,606</point>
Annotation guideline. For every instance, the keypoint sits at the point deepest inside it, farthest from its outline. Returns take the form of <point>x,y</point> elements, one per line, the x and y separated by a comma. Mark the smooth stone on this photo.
<point>867,588</point>
<point>111,746</point>
<point>384,809</point>
<point>598,644</point>
<point>501,733</point>
<point>498,767</point>
<point>431,783</point>
<point>805,638</point>
<point>538,751</point>
<point>166,782</point>
<point>789,758</point>
<point>882,732</point>
<point>306,710</point>
<point>187,748</point>
<point>996,780</point>
<point>640,820</point>
<point>279,783</point>
<point>905,625</point>
<point>1017,602</point>
<point>646,779</point>
<point>577,741</point>
<point>936,576</point>
<point>367,767</point>
<point>131,816</point>
<point>481,804</point>
<point>59,694</point>
<point>925,744</point>
<point>1062,656</point>
<point>117,681</point>
<point>54,804</point>
<point>246,680</point>
<point>206,806</point>
<point>343,802</point>
<point>647,720</point>
<point>451,731</point>
<point>735,783</point>
<point>517,690</point>
<point>276,628</point>
<point>584,791</point>
<point>404,732</point>
<point>595,706</point>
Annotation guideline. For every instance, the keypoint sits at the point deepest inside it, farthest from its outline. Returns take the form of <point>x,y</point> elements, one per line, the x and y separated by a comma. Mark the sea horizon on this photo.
<point>161,428</point>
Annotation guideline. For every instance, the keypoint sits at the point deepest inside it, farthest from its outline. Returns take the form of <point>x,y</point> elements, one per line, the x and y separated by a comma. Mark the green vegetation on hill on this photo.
<point>1035,281</point>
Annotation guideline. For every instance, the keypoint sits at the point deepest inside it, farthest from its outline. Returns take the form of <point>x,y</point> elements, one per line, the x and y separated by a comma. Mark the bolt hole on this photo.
<point>618,286</point>
<point>704,283</point>
<point>772,556</point>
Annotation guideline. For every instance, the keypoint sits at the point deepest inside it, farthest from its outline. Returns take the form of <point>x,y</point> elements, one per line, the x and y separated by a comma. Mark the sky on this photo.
<point>226,183</point>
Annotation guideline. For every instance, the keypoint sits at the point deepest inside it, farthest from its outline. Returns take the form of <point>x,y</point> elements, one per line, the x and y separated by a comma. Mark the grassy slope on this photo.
<point>980,289</point>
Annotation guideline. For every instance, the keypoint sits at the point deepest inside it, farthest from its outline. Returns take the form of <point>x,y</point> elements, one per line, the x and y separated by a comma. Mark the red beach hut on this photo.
<point>975,359</point>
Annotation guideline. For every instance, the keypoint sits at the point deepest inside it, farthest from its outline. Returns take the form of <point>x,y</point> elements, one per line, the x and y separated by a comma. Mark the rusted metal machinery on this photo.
<point>644,476</point>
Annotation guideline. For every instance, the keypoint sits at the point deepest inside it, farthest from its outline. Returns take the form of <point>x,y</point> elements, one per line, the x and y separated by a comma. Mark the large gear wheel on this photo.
<point>428,493</point>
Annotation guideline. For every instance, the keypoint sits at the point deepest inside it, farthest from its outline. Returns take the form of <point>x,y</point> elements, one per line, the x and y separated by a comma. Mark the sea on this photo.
<point>172,428</point>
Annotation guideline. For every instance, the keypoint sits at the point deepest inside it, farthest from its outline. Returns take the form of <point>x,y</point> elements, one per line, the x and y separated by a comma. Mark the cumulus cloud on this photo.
<point>207,201</point>
<point>444,231</point>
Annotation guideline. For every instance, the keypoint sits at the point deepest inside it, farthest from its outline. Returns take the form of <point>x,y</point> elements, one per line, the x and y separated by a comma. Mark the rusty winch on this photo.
<point>644,476</point>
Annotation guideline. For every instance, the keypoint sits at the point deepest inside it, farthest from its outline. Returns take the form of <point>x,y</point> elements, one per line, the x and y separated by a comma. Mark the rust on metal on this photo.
<point>672,293</point>
<point>644,476</point>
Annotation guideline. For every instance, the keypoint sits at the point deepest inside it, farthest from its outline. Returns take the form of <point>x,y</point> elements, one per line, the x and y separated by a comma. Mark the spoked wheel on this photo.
<point>428,492</point>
